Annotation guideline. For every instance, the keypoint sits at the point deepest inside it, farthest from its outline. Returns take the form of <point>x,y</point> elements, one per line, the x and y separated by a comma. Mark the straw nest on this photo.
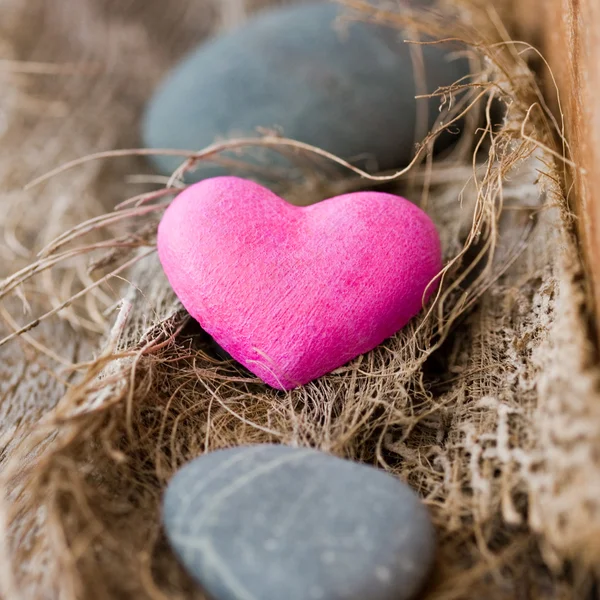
<point>487,403</point>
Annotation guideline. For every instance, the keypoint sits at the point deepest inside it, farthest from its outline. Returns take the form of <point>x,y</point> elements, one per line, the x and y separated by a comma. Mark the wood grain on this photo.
<point>571,43</point>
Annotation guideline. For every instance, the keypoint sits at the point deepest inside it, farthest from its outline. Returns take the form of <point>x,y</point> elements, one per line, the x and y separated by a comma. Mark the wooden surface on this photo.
<point>571,43</point>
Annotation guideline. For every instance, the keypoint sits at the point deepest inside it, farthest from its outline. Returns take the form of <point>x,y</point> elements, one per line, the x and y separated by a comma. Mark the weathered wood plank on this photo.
<point>571,43</point>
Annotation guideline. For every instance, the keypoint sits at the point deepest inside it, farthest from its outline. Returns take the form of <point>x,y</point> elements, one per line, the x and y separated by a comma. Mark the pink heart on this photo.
<point>294,292</point>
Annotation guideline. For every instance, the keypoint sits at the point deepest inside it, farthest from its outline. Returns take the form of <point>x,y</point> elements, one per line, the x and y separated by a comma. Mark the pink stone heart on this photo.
<point>294,292</point>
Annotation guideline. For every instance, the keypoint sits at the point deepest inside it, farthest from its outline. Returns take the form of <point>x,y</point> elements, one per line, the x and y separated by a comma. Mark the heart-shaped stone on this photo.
<point>294,292</point>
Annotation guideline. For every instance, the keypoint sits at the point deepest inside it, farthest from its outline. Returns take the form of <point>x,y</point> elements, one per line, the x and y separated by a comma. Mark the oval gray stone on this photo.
<point>351,92</point>
<point>271,522</point>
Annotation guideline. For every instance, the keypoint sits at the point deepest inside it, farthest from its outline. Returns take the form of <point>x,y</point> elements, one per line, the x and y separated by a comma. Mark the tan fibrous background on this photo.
<point>487,404</point>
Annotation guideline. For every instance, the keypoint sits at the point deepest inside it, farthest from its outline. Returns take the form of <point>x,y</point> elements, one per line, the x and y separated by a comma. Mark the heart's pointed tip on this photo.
<point>267,375</point>
<point>289,387</point>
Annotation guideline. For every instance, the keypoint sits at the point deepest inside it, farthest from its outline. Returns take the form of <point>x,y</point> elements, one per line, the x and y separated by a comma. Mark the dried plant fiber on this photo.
<point>487,403</point>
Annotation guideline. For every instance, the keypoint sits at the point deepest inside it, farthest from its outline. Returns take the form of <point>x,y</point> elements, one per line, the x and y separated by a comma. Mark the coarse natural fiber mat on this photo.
<point>487,404</point>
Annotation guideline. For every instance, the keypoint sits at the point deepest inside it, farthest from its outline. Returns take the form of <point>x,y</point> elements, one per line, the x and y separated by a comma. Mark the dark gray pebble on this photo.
<point>352,94</point>
<point>273,522</point>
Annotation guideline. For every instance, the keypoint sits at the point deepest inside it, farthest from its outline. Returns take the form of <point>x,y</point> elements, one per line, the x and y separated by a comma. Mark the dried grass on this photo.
<point>470,403</point>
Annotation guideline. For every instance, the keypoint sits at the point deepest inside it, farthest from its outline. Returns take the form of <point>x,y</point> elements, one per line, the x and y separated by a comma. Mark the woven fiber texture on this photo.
<point>486,404</point>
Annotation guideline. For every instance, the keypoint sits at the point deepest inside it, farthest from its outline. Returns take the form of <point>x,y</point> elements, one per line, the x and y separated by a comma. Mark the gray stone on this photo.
<point>350,92</point>
<point>273,522</point>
